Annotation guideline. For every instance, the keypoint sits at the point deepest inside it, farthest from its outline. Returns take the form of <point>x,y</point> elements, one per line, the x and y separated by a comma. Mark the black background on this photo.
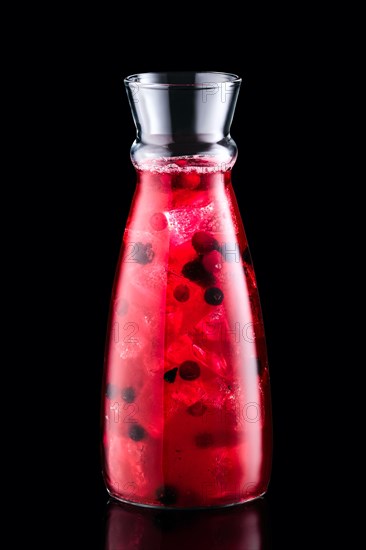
<point>275,182</point>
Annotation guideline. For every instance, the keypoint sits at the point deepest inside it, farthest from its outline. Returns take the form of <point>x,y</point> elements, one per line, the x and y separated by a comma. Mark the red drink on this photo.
<point>186,410</point>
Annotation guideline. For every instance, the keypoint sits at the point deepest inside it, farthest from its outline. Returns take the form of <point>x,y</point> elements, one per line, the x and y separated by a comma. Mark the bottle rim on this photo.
<point>183,79</point>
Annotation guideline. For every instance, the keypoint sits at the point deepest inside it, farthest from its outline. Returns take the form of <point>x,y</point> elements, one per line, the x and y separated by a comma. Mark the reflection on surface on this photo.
<point>239,528</point>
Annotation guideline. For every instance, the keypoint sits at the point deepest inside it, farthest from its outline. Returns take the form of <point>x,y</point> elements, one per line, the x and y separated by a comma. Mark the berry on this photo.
<point>143,253</point>
<point>214,296</point>
<point>111,391</point>
<point>186,181</point>
<point>166,494</point>
<point>128,394</point>
<point>197,409</point>
<point>136,432</point>
<point>189,370</point>
<point>121,307</point>
<point>204,440</point>
<point>158,221</point>
<point>190,181</point>
<point>171,375</point>
<point>212,262</point>
<point>204,242</point>
<point>181,293</point>
<point>194,271</point>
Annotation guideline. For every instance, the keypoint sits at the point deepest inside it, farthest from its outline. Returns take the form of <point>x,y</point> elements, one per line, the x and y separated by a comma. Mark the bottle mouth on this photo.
<point>189,80</point>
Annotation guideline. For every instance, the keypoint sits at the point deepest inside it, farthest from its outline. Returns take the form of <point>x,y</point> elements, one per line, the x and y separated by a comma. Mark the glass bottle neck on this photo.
<point>183,114</point>
<point>202,157</point>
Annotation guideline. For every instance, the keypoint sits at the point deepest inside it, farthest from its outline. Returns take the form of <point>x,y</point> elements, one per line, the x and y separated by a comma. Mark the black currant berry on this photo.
<point>203,242</point>
<point>136,432</point>
<point>171,375</point>
<point>195,271</point>
<point>189,370</point>
<point>214,296</point>
<point>128,394</point>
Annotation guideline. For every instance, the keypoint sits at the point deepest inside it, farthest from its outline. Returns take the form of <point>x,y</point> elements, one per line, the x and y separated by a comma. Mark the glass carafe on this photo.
<point>186,398</point>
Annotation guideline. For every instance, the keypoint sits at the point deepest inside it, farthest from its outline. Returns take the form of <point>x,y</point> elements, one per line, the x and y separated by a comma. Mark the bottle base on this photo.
<point>182,508</point>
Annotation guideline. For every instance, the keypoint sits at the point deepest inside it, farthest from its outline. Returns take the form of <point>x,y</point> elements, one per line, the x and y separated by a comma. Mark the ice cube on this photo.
<point>214,361</point>
<point>184,222</point>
